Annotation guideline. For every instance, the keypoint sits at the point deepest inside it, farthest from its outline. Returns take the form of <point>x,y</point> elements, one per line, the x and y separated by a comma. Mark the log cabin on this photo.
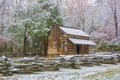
<point>68,41</point>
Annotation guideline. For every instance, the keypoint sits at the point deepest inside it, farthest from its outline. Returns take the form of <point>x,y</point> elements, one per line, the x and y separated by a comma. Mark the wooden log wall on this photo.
<point>63,39</point>
<point>84,49</point>
<point>71,47</point>
<point>52,41</point>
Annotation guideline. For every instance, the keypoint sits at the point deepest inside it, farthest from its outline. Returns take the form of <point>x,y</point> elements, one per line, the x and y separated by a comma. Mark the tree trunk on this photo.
<point>83,21</point>
<point>11,50</point>
<point>116,24</point>
<point>83,25</point>
<point>24,46</point>
<point>5,48</point>
<point>113,6</point>
<point>25,41</point>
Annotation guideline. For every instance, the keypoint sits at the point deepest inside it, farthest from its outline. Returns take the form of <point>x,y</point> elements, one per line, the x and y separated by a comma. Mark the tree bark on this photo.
<point>11,49</point>
<point>5,48</point>
<point>113,6</point>
<point>25,39</point>
<point>25,42</point>
<point>3,2</point>
<point>116,23</point>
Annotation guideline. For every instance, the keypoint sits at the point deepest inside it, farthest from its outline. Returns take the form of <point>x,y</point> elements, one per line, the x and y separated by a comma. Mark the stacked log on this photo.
<point>5,68</point>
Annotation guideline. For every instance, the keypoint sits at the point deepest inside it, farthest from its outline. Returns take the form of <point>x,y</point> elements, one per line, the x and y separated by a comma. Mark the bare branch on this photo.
<point>3,2</point>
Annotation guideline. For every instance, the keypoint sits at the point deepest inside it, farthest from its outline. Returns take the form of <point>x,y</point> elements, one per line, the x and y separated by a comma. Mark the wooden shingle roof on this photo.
<point>81,41</point>
<point>73,31</point>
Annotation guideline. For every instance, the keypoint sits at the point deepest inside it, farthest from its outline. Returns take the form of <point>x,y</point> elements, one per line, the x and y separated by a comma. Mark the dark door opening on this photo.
<point>78,49</point>
<point>45,50</point>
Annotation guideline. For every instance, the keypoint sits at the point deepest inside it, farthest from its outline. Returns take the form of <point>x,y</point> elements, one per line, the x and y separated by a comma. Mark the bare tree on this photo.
<point>2,3</point>
<point>114,6</point>
<point>82,10</point>
<point>76,13</point>
<point>2,10</point>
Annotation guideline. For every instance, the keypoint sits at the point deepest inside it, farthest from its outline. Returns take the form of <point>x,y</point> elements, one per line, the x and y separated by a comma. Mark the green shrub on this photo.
<point>107,46</point>
<point>103,45</point>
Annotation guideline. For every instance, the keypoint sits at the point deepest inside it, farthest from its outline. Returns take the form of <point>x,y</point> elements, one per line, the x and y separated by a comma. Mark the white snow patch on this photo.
<point>65,74</point>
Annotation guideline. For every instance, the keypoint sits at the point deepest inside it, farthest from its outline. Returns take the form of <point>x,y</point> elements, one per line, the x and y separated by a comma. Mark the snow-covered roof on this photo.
<point>81,41</point>
<point>73,31</point>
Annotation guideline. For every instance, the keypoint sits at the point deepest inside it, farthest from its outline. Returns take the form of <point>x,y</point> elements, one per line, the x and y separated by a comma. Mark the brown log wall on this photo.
<point>71,47</point>
<point>84,49</point>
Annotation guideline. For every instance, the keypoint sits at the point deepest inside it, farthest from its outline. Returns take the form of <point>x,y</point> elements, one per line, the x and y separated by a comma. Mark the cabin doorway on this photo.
<point>78,49</point>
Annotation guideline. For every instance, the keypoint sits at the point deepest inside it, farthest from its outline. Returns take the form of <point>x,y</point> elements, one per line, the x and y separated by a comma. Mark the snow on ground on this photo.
<point>64,74</point>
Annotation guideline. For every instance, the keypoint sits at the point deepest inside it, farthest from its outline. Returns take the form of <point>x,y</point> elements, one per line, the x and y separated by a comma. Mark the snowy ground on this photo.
<point>65,74</point>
